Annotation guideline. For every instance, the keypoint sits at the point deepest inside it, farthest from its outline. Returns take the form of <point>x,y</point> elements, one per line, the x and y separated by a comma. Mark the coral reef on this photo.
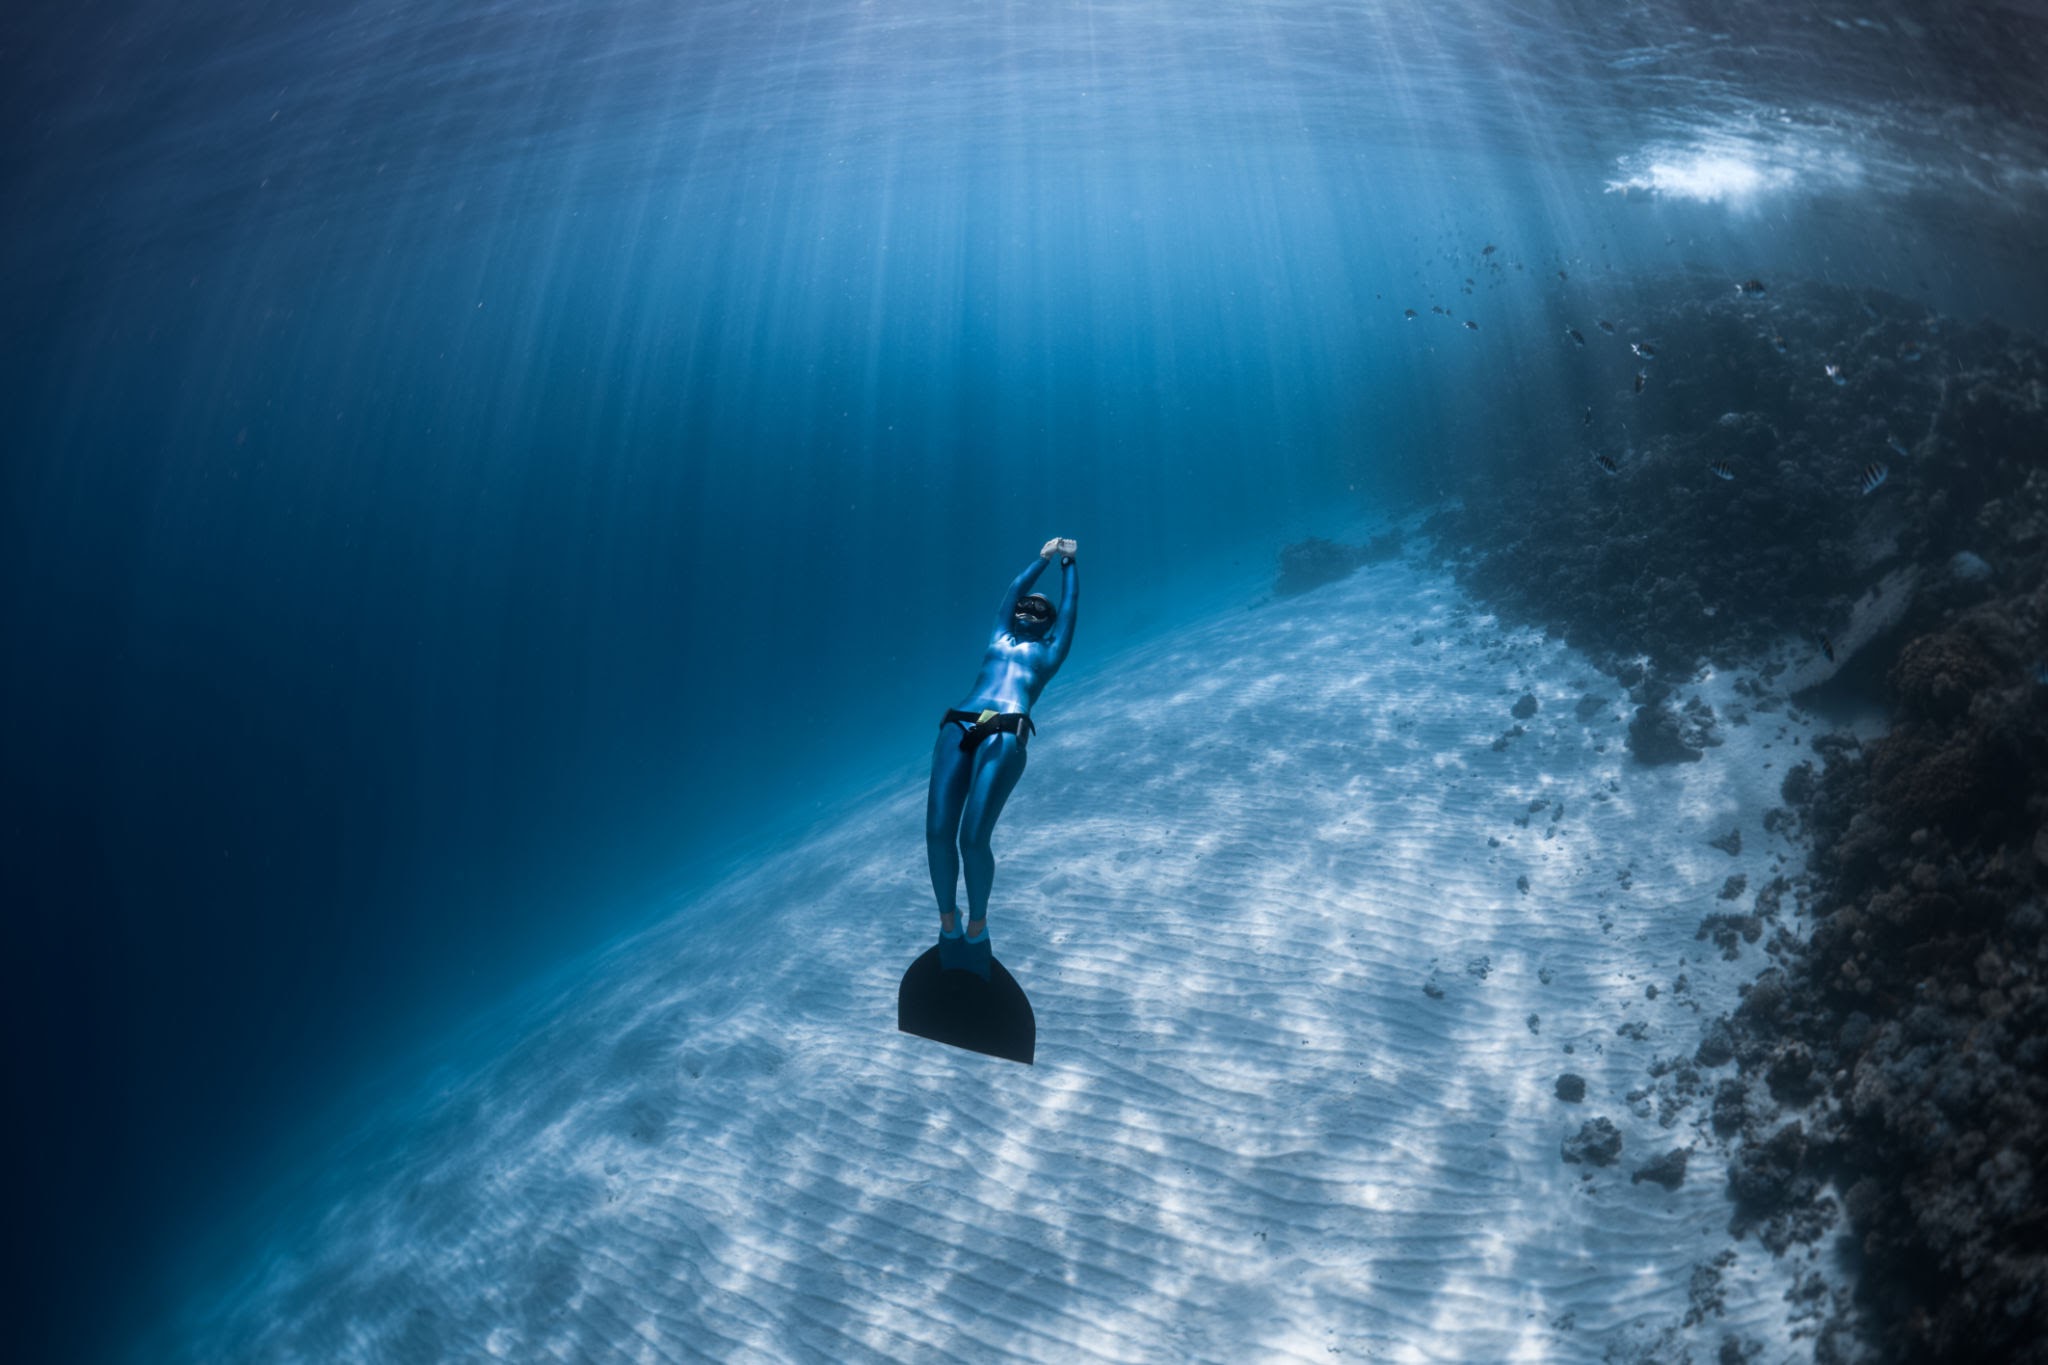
<point>1924,993</point>
<point>1891,1069</point>
<point>1665,563</point>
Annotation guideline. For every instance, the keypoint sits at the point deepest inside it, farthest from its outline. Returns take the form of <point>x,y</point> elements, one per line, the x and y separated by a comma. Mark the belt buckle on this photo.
<point>985,717</point>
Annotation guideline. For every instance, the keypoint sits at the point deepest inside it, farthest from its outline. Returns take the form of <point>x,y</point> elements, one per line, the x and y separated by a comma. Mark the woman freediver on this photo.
<point>980,750</point>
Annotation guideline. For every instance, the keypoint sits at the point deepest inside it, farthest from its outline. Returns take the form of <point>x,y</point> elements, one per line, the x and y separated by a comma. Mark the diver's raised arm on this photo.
<point>1019,586</point>
<point>1061,637</point>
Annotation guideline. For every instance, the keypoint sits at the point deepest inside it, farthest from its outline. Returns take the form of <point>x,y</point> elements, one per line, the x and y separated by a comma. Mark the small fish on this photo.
<point>1587,420</point>
<point>1910,354</point>
<point>1898,447</point>
<point>1607,464</point>
<point>1827,646</point>
<point>1874,475</point>
<point>1408,313</point>
<point>1721,469</point>
<point>1471,326</point>
<point>1778,343</point>
<point>1438,309</point>
<point>1606,326</point>
<point>1643,349</point>
<point>1573,333</point>
<point>1489,250</point>
<point>1468,279</point>
<point>1561,275</point>
<point>1752,287</point>
<point>1642,378</point>
<point>1835,373</point>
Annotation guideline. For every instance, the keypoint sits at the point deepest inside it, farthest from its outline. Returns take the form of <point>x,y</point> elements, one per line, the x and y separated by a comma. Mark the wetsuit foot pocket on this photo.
<point>966,955</point>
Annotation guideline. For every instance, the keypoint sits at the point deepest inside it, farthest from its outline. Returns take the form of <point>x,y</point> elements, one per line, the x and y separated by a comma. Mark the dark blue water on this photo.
<point>474,470</point>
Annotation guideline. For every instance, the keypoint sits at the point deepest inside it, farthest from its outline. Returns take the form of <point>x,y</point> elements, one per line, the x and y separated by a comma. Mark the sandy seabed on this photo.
<point>1311,933</point>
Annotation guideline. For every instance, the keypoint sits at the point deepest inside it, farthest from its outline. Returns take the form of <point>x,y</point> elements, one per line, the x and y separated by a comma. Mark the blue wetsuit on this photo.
<point>975,766</point>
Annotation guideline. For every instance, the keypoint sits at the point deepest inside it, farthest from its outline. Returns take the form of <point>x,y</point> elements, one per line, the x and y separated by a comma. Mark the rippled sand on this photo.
<point>1235,863</point>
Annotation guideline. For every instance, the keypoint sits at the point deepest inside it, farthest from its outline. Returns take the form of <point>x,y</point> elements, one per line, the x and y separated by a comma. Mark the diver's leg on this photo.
<point>996,770</point>
<point>952,772</point>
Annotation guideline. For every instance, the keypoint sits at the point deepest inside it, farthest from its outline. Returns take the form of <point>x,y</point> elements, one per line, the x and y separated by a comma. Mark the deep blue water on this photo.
<point>474,470</point>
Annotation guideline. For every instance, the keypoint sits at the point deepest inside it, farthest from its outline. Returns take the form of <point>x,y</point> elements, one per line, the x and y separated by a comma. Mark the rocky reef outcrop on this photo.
<point>1311,563</point>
